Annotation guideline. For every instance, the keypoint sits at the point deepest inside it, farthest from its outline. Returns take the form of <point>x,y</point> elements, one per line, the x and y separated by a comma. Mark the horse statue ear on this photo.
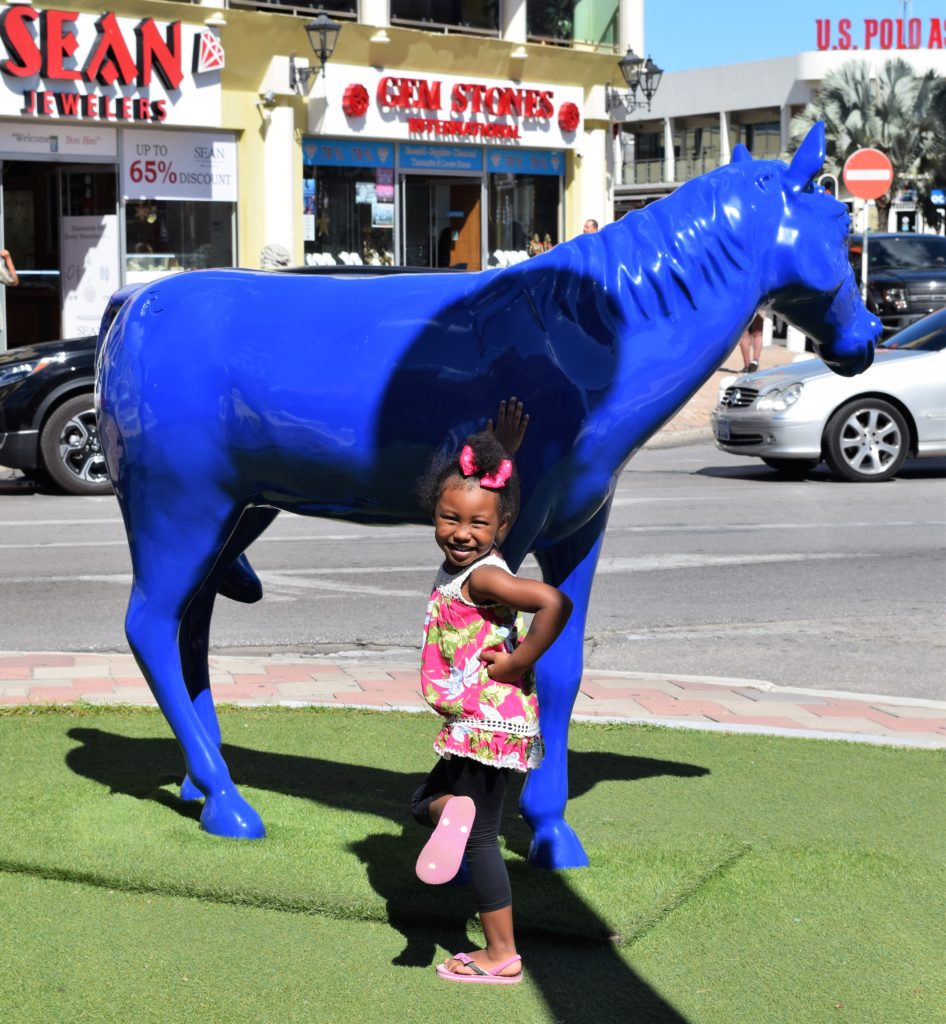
<point>740,154</point>
<point>808,159</point>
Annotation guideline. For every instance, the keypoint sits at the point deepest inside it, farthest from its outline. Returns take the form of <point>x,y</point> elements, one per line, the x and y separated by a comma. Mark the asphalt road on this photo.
<point>712,566</point>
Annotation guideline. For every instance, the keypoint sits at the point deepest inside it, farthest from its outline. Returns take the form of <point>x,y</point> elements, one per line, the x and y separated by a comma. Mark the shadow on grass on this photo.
<point>572,950</point>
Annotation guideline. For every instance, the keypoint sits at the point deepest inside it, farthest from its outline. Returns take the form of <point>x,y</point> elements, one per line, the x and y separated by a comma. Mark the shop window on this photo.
<point>163,236</point>
<point>523,214</point>
<point>474,14</point>
<point>763,139</point>
<point>348,215</point>
<point>587,21</point>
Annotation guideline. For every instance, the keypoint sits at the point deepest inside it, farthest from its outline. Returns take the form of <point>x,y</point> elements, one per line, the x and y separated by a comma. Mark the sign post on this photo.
<point>867,175</point>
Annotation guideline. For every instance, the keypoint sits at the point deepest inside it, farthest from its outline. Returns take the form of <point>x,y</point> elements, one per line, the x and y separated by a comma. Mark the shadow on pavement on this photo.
<point>572,957</point>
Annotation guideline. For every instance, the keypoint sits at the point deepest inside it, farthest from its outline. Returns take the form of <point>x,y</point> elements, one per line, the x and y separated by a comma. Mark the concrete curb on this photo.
<point>679,438</point>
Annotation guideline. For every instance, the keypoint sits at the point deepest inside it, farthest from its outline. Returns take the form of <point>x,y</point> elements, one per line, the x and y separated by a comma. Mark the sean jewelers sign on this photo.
<point>422,107</point>
<point>63,65</point>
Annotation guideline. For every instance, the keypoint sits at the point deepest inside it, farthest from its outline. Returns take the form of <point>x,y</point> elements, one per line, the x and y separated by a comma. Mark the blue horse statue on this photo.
<point>228,396</point>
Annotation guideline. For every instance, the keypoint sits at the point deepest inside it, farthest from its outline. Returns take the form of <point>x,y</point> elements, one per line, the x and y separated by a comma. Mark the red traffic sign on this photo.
<point>867,174</point>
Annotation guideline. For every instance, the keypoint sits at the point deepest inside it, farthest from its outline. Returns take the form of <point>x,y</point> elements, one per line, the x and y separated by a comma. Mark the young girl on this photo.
<point>476,671</point>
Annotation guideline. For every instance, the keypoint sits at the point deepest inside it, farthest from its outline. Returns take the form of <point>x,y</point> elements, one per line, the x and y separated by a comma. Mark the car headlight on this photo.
<point>895,298</point>
<point>16,371</point>
<point>779,400</point>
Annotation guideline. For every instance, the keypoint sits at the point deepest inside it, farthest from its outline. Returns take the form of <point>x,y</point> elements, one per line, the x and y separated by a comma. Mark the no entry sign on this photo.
<point>867,174</point>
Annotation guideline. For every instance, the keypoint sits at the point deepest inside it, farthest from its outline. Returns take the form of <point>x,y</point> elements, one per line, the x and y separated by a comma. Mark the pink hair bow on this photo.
<point>492,481</point>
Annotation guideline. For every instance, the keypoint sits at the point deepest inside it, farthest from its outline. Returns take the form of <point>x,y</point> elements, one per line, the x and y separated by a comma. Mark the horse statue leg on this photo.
<point>237,580</point>
<point>174,549</point>
<point>570,566</point>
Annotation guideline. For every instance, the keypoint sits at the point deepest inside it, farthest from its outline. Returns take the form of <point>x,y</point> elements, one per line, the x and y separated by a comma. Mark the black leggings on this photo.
<point>486,787</point>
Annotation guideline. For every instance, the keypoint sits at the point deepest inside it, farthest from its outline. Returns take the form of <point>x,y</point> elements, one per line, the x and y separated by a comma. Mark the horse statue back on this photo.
<point>222,401</point>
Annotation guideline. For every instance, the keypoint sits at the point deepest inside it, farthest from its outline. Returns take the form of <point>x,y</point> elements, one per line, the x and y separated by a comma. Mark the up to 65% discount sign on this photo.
<point>179,165</point>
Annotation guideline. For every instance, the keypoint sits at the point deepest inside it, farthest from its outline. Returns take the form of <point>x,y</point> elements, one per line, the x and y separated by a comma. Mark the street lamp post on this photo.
<point>323,35</point>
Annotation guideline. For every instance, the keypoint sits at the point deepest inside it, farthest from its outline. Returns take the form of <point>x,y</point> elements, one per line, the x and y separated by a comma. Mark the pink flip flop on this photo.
<point>479,976</point>
<point>440,858</point>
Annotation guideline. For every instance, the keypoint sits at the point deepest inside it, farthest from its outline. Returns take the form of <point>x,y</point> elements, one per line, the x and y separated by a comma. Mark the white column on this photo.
<point>784,120</point>
<point>725,153</point>
<point>670,171</point>
<point>631,27</point>
<point>595,201</point>
<point>280,157</point>
<point>512,20</point>
<point>374,12</point>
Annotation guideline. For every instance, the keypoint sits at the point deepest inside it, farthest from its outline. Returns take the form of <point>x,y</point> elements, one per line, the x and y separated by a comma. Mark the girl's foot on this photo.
<point>479,967</point>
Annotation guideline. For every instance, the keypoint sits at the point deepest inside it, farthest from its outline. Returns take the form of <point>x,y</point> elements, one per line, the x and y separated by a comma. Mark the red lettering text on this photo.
<point>162,55</point>
<point>110,59</point>
<point>55,44</point>
<point>25,60</point>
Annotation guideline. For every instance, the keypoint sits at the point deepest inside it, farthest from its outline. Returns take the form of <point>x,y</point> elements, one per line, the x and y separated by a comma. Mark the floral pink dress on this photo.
<point>495,723</point>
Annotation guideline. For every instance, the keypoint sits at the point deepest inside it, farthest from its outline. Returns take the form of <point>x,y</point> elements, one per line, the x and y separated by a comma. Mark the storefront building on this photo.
<point>154,137</point>
<point>114,169</point>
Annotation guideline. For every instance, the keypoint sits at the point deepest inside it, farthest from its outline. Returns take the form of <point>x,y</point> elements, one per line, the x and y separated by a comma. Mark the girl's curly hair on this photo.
<point>488,453</point>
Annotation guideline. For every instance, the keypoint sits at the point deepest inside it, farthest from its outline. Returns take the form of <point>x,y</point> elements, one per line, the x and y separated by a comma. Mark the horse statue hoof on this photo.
<point>189,791</point>
<point>555,846</point>
<point>228,814</point>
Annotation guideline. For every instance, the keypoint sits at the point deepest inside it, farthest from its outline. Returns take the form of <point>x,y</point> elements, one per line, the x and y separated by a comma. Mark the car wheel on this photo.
<point>866,440</point>
<point>792,467</point>
<point>70,447</point>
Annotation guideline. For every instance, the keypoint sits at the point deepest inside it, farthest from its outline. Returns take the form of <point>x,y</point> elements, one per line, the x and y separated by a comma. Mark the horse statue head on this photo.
<point>806,276</point>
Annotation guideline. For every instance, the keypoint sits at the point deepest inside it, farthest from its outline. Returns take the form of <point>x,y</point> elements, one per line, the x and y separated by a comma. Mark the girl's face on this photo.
<point>466,522</point>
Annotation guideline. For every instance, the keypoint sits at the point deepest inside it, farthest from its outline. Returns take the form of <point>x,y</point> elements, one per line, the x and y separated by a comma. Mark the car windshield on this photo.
<point>918,252</point>
<point>926,335</point>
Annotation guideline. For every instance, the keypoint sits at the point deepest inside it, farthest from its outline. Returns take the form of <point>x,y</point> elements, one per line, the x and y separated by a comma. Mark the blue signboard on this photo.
<point>347,153</point>
<point>526,161</point>
<point>420,157</point>
<point>937,197</point>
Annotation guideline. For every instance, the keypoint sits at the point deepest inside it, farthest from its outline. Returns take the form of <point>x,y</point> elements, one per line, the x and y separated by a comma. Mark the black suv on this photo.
<point>47,419</point>
<point>906,276</point>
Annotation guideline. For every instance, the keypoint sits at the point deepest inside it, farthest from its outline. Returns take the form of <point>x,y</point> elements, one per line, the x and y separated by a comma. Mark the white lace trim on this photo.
<point>449,584</point>
<point>536,755</point>
<point>510,726</point>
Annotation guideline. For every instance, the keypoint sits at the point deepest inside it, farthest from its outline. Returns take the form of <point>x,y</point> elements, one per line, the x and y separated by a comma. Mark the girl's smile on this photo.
<point>466,522</point>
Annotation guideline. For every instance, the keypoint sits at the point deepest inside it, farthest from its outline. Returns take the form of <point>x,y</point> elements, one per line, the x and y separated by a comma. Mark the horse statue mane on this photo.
<point>221,405</point>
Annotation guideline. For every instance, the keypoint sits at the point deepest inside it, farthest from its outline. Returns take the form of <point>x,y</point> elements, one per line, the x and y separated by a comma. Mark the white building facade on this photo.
<point>698,116</point>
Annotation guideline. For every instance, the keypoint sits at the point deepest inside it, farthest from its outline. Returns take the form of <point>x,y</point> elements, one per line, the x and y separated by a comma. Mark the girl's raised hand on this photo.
<point>511,423</point>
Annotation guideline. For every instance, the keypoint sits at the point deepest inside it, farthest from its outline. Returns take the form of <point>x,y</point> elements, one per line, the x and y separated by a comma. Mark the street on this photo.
<point>712,566</point>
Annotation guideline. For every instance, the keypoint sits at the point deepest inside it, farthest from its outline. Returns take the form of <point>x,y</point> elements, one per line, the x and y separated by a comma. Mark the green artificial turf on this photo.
<point>734,879</point>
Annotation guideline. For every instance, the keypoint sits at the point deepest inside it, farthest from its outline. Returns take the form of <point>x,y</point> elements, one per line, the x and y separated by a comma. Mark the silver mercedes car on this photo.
<point>793,417</point>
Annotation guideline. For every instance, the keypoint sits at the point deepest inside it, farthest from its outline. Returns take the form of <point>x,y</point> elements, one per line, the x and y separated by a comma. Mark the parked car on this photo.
<point>47,418</point>
<point>906,276</point>
<point>864,427</point>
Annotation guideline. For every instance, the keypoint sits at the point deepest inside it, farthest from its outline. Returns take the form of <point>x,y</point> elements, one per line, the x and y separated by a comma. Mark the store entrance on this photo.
<point>441,224</point>
<point>60,225</point>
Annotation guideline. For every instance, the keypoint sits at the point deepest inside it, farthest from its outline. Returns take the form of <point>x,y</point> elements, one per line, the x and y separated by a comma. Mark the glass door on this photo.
<point>441,222</point>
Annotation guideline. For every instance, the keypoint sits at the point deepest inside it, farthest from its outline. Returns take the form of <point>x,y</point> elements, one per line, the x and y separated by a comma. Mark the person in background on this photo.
<point>750,345</point>
<point>8,274</point>
<point>591,226</point>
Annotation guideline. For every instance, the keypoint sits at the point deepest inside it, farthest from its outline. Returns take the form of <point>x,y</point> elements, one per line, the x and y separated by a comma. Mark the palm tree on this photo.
<point>892,112</point>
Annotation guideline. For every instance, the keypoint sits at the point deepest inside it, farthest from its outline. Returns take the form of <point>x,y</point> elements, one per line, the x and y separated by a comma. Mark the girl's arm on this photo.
<point>551,610</point>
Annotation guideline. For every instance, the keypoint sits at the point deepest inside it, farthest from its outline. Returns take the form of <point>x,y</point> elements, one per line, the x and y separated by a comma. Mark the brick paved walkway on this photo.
<point>741,705</point>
